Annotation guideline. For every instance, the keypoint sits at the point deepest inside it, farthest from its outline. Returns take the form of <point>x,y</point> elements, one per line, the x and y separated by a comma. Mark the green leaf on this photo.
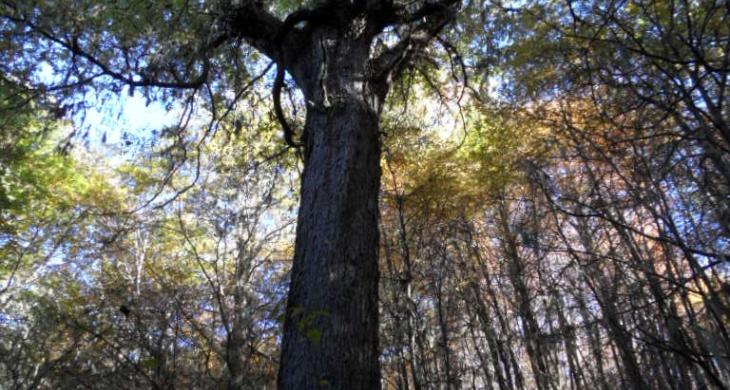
<point>150,363</point>
<point>314,335</point>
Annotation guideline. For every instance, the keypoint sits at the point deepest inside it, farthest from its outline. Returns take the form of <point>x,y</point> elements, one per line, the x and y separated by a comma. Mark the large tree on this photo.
<point>577,237</point>
<point>342,55</point>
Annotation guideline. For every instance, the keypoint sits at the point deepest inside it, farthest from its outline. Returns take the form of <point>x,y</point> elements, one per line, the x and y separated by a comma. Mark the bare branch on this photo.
<point>433,18</point>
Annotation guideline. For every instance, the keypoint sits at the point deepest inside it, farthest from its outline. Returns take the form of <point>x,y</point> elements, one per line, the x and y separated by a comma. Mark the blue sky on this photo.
<point>124,113</point>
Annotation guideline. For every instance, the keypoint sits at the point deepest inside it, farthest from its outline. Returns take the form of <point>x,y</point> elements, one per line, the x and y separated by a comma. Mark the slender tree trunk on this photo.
<point>569,342</point>
<point>441,311</point>
<point>495,347</point>
<point>331,327</point>
<point>236,358</point>
<point>516,273</point>
<point>411,308</point>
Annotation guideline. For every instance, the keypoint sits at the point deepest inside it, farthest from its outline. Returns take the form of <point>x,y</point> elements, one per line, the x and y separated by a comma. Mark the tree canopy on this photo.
<point>366,194</point>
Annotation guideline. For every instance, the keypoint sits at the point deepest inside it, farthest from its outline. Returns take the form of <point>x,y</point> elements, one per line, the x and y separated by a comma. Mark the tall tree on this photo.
<point>336,53</point>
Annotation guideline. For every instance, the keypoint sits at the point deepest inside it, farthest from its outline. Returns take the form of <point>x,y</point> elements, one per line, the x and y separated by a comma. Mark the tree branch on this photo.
<point>386,13</point>
<point>249,20</point>
<point>433,18</point>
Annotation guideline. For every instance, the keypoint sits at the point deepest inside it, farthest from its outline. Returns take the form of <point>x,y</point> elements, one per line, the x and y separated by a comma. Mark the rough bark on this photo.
<point>331,327</point>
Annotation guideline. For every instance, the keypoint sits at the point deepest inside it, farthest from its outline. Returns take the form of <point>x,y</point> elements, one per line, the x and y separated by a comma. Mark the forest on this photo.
<point>365,194</point>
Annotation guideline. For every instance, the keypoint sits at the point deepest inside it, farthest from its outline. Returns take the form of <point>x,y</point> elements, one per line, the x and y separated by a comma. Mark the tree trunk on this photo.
<point>331,326</point>
<point>531,328</point>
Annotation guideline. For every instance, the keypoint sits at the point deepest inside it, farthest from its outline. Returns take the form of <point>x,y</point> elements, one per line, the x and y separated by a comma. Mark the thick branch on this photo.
<point>251,22</point>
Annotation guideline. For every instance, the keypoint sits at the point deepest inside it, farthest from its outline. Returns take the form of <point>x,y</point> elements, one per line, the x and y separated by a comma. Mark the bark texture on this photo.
<point>331,327</point>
